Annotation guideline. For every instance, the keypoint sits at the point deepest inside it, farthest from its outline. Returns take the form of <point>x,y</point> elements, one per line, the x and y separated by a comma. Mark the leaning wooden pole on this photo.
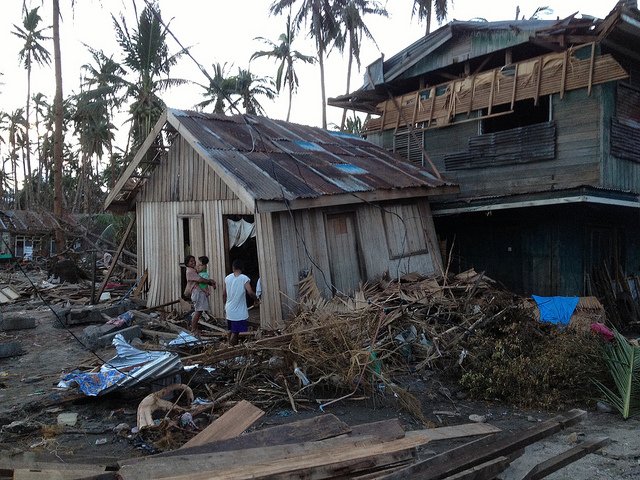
<point>114,261</point>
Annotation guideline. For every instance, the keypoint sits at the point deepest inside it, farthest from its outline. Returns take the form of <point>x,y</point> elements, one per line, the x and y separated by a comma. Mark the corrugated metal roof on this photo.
<point>27,221</point>
<point>427,44</point>
<point>276,160</point>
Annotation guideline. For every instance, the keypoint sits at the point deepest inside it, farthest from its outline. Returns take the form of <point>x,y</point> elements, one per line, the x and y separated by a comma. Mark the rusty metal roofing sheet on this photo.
<point>27,221</point>
<point>277,160</point>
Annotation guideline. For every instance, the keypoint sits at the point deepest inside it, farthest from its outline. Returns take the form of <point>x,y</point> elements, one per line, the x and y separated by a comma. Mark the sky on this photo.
<point>223,31</point>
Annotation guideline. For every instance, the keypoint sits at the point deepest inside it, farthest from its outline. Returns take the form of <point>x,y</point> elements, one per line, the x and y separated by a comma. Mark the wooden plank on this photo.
<point>54,473</point>
<point>311,429</point>
<point>559,461</point>
<point>475,453</point>
<point>325,458</point>
<point>136,160</point>
<point>231,424</point>
<point>484,471</point>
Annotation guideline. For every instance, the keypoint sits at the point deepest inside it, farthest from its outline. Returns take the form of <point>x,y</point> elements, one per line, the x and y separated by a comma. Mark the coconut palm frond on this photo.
<point>623,361</point>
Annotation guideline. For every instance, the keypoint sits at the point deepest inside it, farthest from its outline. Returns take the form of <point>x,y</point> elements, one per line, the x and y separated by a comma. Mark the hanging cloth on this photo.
<point>240,232</point>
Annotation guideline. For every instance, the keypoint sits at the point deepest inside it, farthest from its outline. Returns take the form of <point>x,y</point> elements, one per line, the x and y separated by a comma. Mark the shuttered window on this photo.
<point>405,231</point>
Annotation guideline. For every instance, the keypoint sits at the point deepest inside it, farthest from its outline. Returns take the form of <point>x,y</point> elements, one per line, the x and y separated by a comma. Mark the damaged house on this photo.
<point>538,121</point>
<point>27,234</point>
<point>287,199</point>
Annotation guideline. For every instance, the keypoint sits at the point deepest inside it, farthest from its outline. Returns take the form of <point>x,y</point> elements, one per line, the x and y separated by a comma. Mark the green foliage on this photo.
<point>623,362</point>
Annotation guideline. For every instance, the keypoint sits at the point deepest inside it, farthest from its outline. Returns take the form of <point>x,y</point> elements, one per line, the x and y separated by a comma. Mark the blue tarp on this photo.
<point>556,310</point>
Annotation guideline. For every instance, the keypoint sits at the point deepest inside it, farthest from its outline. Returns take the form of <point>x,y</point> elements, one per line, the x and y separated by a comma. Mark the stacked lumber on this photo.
<point>319,447</point>
<point>326,447</point>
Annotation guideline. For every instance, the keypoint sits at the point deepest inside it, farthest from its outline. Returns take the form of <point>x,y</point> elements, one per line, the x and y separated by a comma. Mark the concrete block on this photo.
<point>92,334</point>
<point>128,333</point>
<point>17,321</point>
<point>10,349</point>
<point>93,313</point>
<point>68,418</point>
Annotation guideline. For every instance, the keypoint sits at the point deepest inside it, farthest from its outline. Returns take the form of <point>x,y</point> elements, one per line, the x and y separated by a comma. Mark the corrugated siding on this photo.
<point>184,177</point>
<point>533,143</point>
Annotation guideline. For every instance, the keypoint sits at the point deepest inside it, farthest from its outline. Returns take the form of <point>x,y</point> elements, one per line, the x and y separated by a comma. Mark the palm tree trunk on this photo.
<point>27,182</point>
<point>57,133</point>
<point>322,87</point>
<point>344,111</point>
<point>290,99</point>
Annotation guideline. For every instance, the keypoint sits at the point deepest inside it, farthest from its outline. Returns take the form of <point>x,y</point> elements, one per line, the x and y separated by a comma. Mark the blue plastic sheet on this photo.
<point>556,310</point>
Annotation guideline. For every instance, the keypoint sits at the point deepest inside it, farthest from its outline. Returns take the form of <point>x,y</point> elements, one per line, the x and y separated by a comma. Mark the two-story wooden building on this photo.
<point>539,123</point>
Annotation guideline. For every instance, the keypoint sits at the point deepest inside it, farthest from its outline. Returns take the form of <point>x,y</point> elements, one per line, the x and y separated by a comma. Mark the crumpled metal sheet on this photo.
<point>128,368</point>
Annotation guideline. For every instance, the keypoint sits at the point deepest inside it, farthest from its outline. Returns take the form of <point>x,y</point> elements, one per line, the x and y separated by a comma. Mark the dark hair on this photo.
<point>237,264</point>
<point>204,259</point>
<point>188,258</point>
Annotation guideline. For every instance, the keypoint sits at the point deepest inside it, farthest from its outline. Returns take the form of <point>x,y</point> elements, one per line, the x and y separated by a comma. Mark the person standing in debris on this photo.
<point>199,297</point>
<point>236,286</point>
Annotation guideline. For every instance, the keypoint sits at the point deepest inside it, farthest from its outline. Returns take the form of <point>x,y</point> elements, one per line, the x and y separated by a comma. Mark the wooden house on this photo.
<point>28,234</point>
<point>538,121</point>
<point>318,201</point>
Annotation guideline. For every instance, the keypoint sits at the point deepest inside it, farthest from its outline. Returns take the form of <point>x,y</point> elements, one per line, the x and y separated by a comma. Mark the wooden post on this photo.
<point>515,86</point>
<point>493,86</point>
<point>433,105</point>
<point>538,82</point>
<point>563,78</point>
<point>473,91</point>
<point>415,108</point>
<point>591,64</point>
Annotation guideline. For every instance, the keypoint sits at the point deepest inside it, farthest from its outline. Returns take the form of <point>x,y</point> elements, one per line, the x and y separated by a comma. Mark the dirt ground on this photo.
<point>49,352</point>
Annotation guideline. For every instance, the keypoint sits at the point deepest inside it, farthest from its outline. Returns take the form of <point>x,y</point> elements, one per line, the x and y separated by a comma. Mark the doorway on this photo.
<point>241,244</point>
<point>191,241</point>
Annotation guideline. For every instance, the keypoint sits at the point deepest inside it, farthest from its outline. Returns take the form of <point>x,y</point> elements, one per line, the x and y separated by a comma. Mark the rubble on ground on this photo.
<point>461,327</point>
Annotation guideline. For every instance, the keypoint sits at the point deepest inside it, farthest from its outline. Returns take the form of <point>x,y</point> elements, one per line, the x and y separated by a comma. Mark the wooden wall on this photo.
<point>300,242</point>
<point>544,250</point>
<point>185,176</point>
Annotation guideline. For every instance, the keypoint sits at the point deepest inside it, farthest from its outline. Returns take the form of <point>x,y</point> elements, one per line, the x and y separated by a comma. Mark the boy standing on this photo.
<point>201,268</point>
<point>236,286</point>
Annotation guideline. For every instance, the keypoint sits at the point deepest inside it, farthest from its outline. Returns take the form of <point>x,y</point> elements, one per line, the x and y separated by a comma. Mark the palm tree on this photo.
<point>41,109</point>
<point>16,133</point>
<point>350,14</point>
<point>32,51</point>
<point>423,9</point>
<point>249,86</point>
<point>219,91</point>
<point>95,134</point>
<point>286,56</point>
<point>147,56</point>
<point>104,81</point>
<point>323,28</point>
<point>58,115</point>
